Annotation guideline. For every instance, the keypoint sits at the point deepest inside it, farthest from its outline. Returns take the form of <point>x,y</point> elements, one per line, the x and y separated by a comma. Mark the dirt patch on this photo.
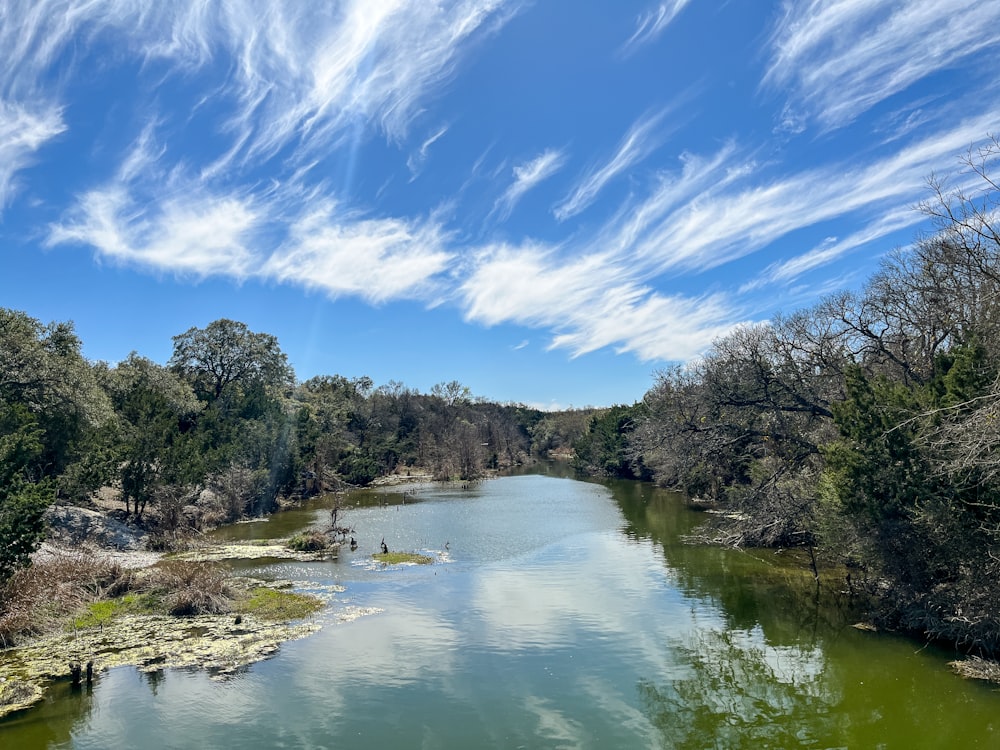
<point>70,525</point>
<point>132,559</point>
<point>403,476</point>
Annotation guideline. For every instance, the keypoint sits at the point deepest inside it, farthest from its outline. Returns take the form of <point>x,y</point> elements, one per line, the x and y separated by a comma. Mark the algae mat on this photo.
<point>218,643</point>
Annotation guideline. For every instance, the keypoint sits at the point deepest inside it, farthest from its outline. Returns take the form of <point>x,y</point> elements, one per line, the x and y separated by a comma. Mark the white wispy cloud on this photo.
<point>834,248</point>
<point>290,84</point>
<point>526,176</point>
<point>838,58</point>
<point>652,23</point>
<point>299,75</point>
<point>641,140</point>
<point>310,76</point>
<point>309,79</point>
<point>729,213</point>
<point>154,215</point>
<point>598,291</point>
<point>22,134</point>
<point>197,234</point>
<point>376,259</point>
<point>415,162</point>
<point>590,302</point>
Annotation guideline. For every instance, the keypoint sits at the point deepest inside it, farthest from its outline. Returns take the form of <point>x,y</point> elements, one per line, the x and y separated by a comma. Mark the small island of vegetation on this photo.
<point>402,558</point>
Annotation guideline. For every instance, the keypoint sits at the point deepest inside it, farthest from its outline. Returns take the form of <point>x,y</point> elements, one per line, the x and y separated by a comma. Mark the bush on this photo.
<point>191,588</point>
<point>22,525</point>
<point>309,541</point>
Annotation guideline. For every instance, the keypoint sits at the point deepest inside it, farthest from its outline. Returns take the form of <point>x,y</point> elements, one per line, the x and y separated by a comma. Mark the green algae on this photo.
<point>402,558</point>
<point>220,644</point>
<point>274,605</point>
<point>99,614</point>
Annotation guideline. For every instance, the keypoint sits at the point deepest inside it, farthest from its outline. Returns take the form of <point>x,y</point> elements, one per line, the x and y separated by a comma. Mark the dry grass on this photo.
<point>191,588</point>
<point>38,599</point>
<point>974,668</point>
<point>64,590</point>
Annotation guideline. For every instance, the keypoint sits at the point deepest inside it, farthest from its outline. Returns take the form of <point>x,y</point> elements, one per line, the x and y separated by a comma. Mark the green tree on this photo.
<point>607,446</point>
<point>152,404</point>
<point>227,353</point>
<point>42,369</point>
<point>22,500</point>
<point>249,420</point>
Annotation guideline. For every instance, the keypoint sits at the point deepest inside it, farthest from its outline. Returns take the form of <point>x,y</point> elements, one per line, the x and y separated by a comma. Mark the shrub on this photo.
<point>191,588</point>
<point>309,541</point>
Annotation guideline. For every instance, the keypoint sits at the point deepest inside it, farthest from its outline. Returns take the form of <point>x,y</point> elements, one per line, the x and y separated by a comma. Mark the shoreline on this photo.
<point>219,643</point>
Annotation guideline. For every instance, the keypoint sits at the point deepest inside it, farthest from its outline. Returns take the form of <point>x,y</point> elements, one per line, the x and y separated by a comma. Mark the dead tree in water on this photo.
<point>336,529</point>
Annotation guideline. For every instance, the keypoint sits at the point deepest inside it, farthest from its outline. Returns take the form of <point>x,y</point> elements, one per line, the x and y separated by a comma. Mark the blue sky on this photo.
<point>546,201</point>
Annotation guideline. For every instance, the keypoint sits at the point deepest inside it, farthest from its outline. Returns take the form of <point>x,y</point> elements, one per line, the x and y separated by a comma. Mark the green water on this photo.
<point>560,614</point>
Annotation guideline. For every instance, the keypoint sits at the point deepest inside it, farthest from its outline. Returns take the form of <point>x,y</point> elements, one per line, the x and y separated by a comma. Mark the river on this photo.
<point>557,613</point>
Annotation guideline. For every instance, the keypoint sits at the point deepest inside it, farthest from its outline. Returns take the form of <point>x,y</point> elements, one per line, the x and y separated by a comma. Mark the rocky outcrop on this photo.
<point>72,526</point>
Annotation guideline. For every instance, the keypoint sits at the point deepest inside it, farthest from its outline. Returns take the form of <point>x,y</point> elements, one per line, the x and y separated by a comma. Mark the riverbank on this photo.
<point>96,594</point>
<point>109,608</point>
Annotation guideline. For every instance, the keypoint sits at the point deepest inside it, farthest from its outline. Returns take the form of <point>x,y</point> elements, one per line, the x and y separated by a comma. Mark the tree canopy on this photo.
<point>226,353</point>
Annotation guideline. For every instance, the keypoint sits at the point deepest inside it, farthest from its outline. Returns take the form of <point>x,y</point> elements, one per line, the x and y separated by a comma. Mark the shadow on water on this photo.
<point>51,722</point>
<point>772,589</point>
<point>787,669</point>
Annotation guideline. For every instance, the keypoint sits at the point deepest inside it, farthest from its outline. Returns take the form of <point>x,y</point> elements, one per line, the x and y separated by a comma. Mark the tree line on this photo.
<point>225,414</point>
<point>865,429</point>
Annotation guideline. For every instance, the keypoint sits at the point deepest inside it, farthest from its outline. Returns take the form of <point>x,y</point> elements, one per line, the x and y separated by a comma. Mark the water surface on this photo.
<point>558,613</point>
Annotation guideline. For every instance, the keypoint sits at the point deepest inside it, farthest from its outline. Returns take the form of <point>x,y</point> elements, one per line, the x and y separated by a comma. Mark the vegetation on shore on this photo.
<point>68,593</point>
<point>78,609</point>
<point>865,429</point>
<point>221,432</point>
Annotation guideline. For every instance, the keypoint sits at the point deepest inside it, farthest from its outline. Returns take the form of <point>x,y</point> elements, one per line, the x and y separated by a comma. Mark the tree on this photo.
<point>151,402</point>
<point>249,420</point>
<point>227,353</point>
<point>41,369</point>
<point>22,501</point>
<point>607,447</point>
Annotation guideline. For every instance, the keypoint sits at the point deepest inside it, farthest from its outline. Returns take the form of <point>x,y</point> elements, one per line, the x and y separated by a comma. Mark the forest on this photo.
<point>864,429</point>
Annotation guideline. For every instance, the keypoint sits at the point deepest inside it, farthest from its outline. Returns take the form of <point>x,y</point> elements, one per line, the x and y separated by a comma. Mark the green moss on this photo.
<point>277,606</point>
<point>395,558</point>
<point>99,614</point>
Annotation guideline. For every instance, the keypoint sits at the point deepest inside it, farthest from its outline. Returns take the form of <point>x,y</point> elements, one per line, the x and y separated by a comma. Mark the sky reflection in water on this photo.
<point>566,616</point>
